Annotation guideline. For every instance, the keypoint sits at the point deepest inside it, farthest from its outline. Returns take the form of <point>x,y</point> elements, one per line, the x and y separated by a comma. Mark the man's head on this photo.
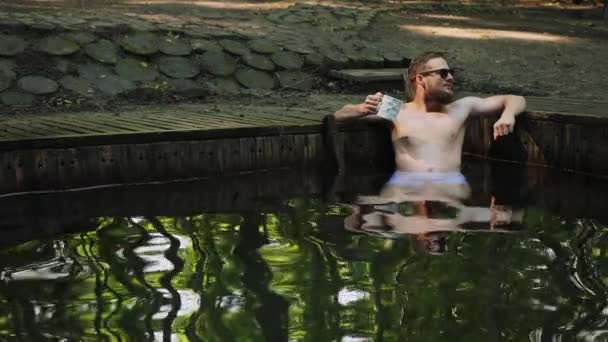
<point>430,73</point>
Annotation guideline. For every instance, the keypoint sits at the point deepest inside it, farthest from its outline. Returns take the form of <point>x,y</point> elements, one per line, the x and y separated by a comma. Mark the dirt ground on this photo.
<point>543,49</point>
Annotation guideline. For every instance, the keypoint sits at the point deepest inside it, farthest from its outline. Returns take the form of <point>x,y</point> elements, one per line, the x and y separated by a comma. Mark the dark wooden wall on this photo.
<point>574,143</point>
<point>41,169</point>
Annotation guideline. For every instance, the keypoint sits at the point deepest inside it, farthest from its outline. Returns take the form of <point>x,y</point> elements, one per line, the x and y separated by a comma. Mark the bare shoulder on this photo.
<point>463,107</point>
<point>483,106</point>
<point>467,102</point>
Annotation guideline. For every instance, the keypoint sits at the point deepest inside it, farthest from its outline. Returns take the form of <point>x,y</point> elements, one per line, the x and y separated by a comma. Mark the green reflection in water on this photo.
<point>289,275</point>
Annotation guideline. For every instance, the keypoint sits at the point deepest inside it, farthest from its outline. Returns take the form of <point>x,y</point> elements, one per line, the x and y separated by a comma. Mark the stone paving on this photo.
<point>53,56</point>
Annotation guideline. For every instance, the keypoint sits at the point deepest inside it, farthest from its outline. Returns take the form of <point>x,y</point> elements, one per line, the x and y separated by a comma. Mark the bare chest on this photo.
<point>427,128</point>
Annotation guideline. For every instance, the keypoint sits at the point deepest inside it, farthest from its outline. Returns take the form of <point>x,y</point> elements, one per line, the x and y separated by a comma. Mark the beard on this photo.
<point>439,96</point>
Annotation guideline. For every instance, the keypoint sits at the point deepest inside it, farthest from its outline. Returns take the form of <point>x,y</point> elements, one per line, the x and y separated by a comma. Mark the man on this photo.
<point>428,132</point>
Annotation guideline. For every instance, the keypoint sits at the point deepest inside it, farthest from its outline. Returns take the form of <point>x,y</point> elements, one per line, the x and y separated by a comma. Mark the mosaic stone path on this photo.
<point>50,56</point>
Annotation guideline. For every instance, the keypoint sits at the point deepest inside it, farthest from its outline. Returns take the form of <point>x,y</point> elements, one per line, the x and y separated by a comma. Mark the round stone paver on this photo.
<point>394,60</point>
<point>254,79</point>
<point>177,67</point>
<point>80,37</point>
<point>7,68</point>
<point>77,85</point>
<point>298,47</point>
<point>11,45</point>
<point>218,63</point>
<point>114,85</point>
<point>203,45</point>
<point>103,51</point>
<point>257,61</point>
<point>13,98</point>
<point>372,57</point>
<point>175,46</point>
<point>187,88</point>
<point>58,46</point>
<point>5,83</point>
<point>295,79</point>
<point>224,86</point>
<point>37,85</point>
<point>263,46</point>
<point>313,59</point>
<point>141,43</point>
<point>61,64</point>
<point>234,47</point>
<point>93,71</point>
<point>140,25</point>
<point>135,70</point>
<point>287,60</point>
<point>334,59</point>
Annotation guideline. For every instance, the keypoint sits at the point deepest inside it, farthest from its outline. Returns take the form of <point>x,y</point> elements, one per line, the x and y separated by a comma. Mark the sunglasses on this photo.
<point>443,73</point>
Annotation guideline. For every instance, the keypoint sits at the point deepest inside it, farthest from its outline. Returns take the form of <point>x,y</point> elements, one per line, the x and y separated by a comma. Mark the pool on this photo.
<point>209,261</point>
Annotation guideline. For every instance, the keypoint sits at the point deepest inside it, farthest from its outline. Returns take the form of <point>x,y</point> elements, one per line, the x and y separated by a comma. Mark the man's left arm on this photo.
<point>508,106</point>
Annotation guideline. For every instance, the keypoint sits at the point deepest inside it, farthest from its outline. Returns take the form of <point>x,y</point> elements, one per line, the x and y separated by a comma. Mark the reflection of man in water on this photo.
<point>404,212</point>
<point>429,130</point>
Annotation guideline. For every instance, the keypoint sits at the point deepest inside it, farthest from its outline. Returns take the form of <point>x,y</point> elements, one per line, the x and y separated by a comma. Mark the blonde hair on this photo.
<point>416,66</point>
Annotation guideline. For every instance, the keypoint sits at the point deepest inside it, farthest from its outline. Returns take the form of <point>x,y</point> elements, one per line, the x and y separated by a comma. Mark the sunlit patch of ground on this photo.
<point>218,4</point>
<point>475,33</point>
<point>447,17</point>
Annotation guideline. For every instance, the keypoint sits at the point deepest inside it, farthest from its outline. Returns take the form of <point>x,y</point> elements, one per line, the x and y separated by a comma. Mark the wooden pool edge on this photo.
<point>558,140</point>
<point>78,162</point>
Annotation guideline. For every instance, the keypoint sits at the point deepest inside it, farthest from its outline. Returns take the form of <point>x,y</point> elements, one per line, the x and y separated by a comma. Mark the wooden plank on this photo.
<point>253,115</point>
<point>90,163</point>
<point>223,119</point>
<point>233,150</point>
<point>211,155</point>
<point>309,150</point>
<point>194,121</point>
<point>369,75</point>
<point>46,171</point>
<point>7,172</point>
<point>26,170</point>
<point>210,123</point>
<point>289,150</point>
<point>68,168</point>
<point>298,148</point>
<point>196,167</point>
<point>145,124</point>
<point>174,119</point>
<point>260,157</point>
<point>23,128</point>
<point>106,163</point>
<point>304,116</point>
<point>276,152</point>
<point>247,152</point>
<point>76,124</point>
<point>102,121</point>
<point>174,160</point>
<point>13,132</point>
<point>186,165</point>
<point>45,129</point>
<point>272,159</point>
<point>272,119</point>
<point>161,162</point>
<point>140,155</point>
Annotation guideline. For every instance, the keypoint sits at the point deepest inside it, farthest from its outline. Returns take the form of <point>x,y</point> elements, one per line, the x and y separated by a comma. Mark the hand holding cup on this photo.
<point>371,104</point>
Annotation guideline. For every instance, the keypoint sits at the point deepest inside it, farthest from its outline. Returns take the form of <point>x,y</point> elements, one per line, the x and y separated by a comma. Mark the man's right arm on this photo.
<point>354,111</point>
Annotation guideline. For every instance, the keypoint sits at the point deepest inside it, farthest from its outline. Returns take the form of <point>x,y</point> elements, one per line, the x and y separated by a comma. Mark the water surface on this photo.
<point>221,261</point>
